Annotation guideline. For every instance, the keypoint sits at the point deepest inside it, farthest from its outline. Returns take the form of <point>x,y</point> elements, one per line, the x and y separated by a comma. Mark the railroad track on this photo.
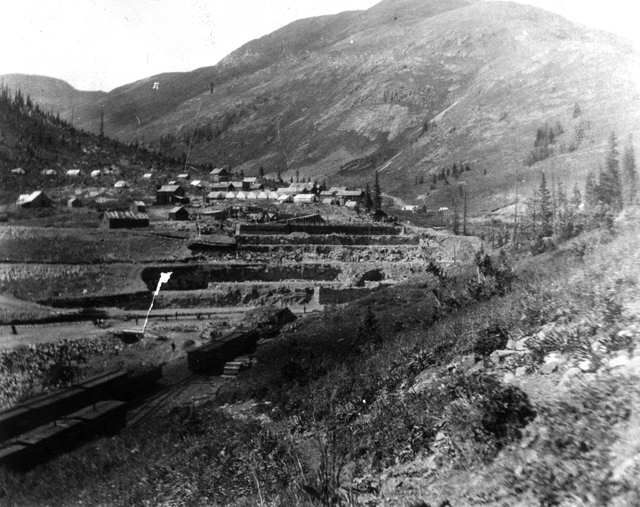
<point>154,403</point>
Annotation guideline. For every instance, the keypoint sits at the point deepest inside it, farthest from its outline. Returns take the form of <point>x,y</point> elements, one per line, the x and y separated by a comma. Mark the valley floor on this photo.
<point>478,390</point>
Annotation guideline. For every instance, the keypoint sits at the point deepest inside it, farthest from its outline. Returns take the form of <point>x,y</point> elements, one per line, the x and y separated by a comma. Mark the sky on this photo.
<point>101,44</point>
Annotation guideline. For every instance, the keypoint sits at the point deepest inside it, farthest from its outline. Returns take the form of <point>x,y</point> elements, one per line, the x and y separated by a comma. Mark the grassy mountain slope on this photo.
<point>34,140</point>
<point>407,87</point>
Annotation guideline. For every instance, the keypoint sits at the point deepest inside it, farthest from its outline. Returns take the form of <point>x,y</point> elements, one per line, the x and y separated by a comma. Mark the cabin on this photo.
<point>219,174</point>
<point>37,199</point>
<point>179,213</point>
<point>74,202</point>
<point>248,182</point>
<point>139,207</point>
<point>235,185</point>
<point>170,194</point>
<point>125,219</point>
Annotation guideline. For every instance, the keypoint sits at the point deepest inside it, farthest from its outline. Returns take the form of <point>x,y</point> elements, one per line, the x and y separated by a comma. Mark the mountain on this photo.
<point>407,88</point>
<point>54,94</point>
<point>41,147</point>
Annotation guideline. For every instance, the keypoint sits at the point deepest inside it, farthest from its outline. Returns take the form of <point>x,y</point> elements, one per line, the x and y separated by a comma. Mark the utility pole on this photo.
<point>464,212</point>
<point>515,212</point>
<point>101,121</point>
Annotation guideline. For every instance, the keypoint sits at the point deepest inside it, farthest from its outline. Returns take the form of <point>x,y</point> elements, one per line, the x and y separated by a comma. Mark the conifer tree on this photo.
<point>377,194</point>
<point>630,173</point>
<point>368,201</point>
<point>591,190</point>
<point>576,199</point>
<point>546,208</point>
<point>609,186</point>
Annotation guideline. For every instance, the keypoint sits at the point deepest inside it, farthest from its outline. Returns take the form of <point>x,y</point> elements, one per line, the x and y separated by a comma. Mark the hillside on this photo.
<point>33,141</point>
<point>56,95</point>
<point>407,87</point>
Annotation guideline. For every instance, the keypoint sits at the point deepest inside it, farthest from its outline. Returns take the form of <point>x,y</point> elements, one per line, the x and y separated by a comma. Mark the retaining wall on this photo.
<point>349,229</point>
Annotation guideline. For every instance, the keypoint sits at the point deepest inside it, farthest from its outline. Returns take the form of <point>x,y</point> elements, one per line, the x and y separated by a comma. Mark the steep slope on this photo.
<point>55,95</point>
<point>407,87</point>
<point>34,141</point>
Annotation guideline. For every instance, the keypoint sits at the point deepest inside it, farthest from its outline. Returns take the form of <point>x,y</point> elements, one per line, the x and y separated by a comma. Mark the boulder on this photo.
<point>620,360</point>
<point>552,362</point>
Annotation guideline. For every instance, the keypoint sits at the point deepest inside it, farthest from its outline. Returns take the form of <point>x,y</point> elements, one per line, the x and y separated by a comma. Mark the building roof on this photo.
<point>183,176</point>
<point>125,215</point>
<point>236,184</point>
<point>120,184</point>
<point>73,172</point>
<point>177,208</point>
<point>216,195</point>
<point>146,176</point>
<point>95,172</point>
<point>250,179</point>
<point>169,188</point>
<point>26,198</point>
<point>217,171</point>
<point>350,193</point>
<point>48,172</point>
<point>196,183</point>
<point>304,198</point>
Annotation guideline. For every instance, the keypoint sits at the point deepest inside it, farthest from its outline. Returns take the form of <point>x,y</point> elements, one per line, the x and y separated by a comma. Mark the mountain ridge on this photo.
<point>405,87</point>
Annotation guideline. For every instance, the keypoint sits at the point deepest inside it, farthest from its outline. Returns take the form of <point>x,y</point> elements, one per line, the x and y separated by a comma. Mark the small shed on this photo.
<point>37,199</point>
<point>74,202</point>
<point>139,207</point>
<point>179,213</point>
<point>125,219</point>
